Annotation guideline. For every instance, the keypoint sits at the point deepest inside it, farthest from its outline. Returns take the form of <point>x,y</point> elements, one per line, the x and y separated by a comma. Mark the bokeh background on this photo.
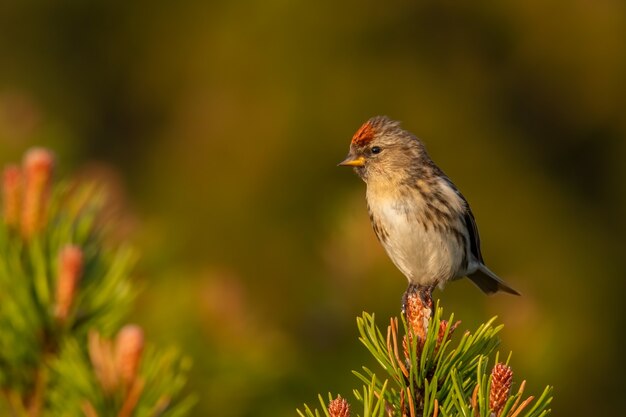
<point>218,125</point>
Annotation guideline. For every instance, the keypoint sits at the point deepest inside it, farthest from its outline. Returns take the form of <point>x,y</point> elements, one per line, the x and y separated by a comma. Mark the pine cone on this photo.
<point>101,356</point>
<point>70,271</point>
<point>501,377</point>
<point>443,326</point>
<point>418,307</point>
<point>38,166</point>
<point>339,407</point>
<point>128,350</point>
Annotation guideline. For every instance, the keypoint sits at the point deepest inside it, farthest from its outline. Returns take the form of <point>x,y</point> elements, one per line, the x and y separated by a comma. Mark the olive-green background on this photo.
<point>218,126</point>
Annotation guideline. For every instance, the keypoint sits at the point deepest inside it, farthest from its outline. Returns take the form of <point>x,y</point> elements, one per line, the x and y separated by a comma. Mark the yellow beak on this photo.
<point>351,161</point>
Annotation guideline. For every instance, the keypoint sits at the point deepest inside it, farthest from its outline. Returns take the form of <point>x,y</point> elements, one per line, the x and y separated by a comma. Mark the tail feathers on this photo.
<point>489,282</point>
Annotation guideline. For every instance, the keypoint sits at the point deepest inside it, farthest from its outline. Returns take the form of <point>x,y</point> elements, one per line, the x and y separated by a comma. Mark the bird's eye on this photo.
<point>375,149</point>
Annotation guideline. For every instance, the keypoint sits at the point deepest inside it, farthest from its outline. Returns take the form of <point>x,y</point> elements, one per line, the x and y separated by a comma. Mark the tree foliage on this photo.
<point>64,297</point>
<point>434,376</point>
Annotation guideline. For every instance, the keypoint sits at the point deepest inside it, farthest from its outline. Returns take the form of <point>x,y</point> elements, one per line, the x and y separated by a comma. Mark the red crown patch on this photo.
<point>364,135</point>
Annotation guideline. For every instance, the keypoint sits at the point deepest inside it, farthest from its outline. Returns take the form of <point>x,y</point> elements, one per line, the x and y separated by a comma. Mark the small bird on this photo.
<point>420,217</point>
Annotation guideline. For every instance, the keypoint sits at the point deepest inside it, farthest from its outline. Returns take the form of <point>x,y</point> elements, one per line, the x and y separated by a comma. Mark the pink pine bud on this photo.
<point>101,355</point>
<point>128,350</point>
<point>11,195</point>
<point>70,272</point>
<point>443,327</point>
<point>339,407</point>
<point>501,378</point>
<point>38,165</point>
<point>418,308</point>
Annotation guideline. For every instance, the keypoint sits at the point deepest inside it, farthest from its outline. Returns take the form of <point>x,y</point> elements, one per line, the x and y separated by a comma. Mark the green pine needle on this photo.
<point>44,360</point>
<point>439,376</point>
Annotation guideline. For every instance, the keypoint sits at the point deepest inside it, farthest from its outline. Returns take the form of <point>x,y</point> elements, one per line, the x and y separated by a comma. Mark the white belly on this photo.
<point>426,256</point>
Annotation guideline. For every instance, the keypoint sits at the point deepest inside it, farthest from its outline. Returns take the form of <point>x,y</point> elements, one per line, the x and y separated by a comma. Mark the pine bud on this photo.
<point>128,350</point>
<point>11,195</point>
<point>70,272</point>
<point>418,309</point>
<point>38,166</point>
<point>406,345</point>
<point>501,377</point>
<point>101,355</point>
<point>443,327</point>
<point>339,407</point>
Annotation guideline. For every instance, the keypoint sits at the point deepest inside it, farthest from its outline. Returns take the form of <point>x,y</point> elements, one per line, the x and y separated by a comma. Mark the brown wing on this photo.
<point>470,223</point>
<point>474,238</point>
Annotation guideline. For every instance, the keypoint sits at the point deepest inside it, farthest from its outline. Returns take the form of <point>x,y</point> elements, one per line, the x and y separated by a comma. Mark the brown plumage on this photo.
<point>419,216</point>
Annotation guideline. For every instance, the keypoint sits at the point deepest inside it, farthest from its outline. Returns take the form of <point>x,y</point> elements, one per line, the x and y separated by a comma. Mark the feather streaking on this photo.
<point>422,220</point>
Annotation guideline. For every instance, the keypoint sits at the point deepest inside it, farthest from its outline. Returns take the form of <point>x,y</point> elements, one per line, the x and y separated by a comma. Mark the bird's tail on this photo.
<point>489,282</point>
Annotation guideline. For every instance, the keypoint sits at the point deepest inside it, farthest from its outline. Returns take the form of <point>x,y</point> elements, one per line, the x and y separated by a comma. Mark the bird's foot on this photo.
<point>409,290</point>
<point>426,294</point>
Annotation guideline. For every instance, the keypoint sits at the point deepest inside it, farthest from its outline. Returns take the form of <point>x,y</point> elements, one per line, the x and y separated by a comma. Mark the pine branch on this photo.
<point>427,376</point>
<point>64,293</point>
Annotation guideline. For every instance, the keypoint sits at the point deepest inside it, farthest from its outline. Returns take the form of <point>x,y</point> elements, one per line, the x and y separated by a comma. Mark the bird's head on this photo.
<point>382,149</point>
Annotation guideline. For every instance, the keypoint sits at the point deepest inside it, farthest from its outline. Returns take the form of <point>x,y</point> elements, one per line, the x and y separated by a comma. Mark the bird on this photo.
<point>419,216</point>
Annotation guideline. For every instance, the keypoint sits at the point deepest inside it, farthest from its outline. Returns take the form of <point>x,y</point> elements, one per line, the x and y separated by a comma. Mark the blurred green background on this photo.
<point>218,126</point>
